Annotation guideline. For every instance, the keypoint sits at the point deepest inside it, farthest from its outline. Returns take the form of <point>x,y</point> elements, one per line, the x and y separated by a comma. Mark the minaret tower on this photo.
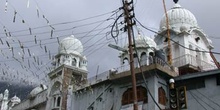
<point>69,73</point>
<point>190,45</point>
<point>5,100</point>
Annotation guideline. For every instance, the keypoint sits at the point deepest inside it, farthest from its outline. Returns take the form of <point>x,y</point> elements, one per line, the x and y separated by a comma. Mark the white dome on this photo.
<point>71,45</point>
<point>178,17</point>
<point>145,42</point>
<point>37,90</point>
<point>15,100</point>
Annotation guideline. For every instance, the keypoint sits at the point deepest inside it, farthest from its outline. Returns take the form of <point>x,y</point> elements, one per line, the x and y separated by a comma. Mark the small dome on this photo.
<point>15,100</point>
<point>37,90</point>
<point>70,45</point>
<point>177,17</point>
<point>145,42</point>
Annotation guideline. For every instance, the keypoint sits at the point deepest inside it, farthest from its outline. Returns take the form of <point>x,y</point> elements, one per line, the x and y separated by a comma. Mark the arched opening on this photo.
<point>125,61</point>
<point>136,64</point>
<point>58,62</point>
<point>127,97</point>
<point>56,95</point>
<point>162,96</point>
<point>58,101</point>
<point>73,62</point>
<point>151,58</point>
<point>143,59</point>
<point>125,64</point>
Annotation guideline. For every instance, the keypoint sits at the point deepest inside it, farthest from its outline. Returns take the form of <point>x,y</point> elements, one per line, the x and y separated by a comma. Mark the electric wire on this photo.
<point>23,20</point>
<point>93,30</point>
<point>61,30</point>
<point>197,101</point>
<point>208,98</point>
<point>68,22</point>
<point>50,43</point>
<point>174,40</point>
<point>142,73</point>
<point>202,100</point>
<point>54,38</point>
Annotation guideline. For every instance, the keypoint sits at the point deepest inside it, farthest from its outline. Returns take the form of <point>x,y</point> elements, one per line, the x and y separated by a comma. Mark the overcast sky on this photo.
<point>79,17</point>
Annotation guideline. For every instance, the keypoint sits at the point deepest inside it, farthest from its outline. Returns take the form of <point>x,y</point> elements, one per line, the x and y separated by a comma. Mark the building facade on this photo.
<point>70,89</point>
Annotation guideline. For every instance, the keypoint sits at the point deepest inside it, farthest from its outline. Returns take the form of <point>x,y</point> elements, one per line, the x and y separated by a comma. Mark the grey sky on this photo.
<point>149,12</point>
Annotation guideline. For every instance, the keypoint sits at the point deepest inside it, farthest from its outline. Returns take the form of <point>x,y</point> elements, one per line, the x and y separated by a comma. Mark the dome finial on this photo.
<point>175,1</point>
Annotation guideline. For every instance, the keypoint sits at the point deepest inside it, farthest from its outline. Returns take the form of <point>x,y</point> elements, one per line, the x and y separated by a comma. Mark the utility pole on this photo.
<point>168,34</point>
<point>128,19</point>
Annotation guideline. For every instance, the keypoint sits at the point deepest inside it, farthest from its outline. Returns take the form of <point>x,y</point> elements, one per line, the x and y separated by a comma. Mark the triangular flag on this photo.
<point>6,6</point>
<point>28,3</point>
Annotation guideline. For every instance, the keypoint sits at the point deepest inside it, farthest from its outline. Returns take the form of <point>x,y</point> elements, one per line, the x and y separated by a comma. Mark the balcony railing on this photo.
<point>146,62</point>
<point>194,61</point>
<point>126,67</point>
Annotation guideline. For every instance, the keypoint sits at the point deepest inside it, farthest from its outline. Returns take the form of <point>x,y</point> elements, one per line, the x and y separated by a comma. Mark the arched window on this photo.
<point>143,59</point>
<point>125,61</point>
<point>136,61</point>
<point>161,96</point>
<point>58,101</point>
<point>55,93</point>
<point>127,97</point>
<point>73,62</point>
<point>151,58</point>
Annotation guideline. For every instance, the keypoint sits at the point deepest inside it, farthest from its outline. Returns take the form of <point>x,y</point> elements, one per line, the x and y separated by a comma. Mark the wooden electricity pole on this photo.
<point>168,35</point>
<point>128,19</point>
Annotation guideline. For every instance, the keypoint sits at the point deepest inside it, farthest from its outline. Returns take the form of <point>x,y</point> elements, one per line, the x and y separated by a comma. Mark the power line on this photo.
<point>32,68</point>
<point>92,31</point>
<point>142,73</point>
<point>174,41</point>
<point>45,32</point>
<point>197,100</point>
<point>62,23</point>
<point>208,98</point>
<point>204,101</point>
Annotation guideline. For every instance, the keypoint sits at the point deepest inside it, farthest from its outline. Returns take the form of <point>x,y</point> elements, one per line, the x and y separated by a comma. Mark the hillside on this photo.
<point>20,91</point>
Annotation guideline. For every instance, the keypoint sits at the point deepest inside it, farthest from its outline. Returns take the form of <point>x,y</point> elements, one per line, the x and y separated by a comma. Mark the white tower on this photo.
<point>190,41</point>
<point>70,52</point>
<point>145,47</point>
<point>70,72</point>
<point>4,105</point>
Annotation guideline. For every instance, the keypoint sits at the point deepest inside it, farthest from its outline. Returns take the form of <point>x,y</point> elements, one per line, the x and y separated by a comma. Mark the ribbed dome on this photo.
<point>70,45</point>
<point>144,42</point>
<point>178,17</point>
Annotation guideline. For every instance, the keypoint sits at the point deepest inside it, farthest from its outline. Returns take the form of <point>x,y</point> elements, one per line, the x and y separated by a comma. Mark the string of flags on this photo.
<point>19,51</point>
